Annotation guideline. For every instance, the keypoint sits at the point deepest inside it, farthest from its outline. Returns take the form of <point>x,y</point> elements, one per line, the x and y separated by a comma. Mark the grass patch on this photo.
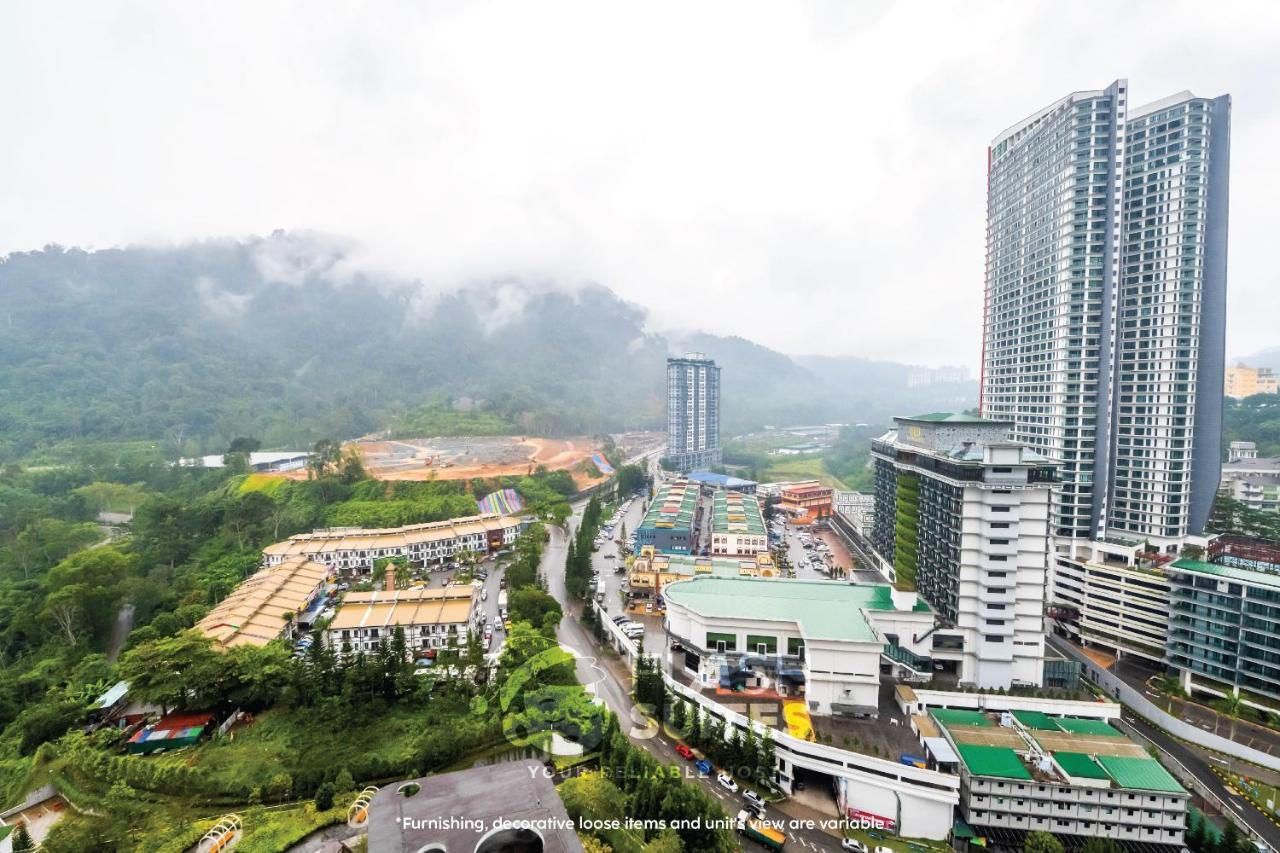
<point>268,484</point>
<point>894,842</point>
<point>803,468</point>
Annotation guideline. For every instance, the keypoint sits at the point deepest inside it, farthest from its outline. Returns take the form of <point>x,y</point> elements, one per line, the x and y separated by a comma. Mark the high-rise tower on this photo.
<point>1104,315</point>
<point>693,412</point>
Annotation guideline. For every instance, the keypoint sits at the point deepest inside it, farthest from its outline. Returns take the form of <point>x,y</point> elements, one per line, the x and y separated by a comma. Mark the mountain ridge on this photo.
<point>286,339</point>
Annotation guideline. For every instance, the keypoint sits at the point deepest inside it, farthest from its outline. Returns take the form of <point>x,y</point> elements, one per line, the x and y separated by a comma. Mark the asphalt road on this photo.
<point>616,694</point>
<point>1196,766</point>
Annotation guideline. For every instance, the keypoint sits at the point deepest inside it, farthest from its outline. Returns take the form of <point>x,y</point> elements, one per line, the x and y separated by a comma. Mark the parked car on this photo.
<point>704,766</point>
<point>684,752</point>
<point>854,845</point>
<point>753,798</point>
<point>726,782</point>
<point>880,848</point>
<point>618,620</point>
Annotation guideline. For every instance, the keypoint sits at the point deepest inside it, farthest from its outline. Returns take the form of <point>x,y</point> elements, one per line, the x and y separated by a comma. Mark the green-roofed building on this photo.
<point>825,639</point>
<point>998,761</point>
<point>1078,765</point>
<point>1087,727</point>
<point>1025,771</point>
<point>960,717</point>
<point>737,525</point>
<point>668,525</point>
<point>1203,597</point>
<point>1139,774</point>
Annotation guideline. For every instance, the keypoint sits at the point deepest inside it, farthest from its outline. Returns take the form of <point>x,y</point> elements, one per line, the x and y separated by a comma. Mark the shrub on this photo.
<point>324,797</point>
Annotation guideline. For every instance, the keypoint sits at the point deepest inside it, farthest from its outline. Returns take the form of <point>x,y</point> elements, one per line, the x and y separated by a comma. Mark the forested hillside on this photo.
<point>1255,419</point>
<point>283,339</point>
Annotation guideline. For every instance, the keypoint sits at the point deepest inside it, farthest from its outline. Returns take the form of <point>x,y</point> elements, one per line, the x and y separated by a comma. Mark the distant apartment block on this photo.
<point>962,515</point>
<point>1244,381</point>
<point>693,412</point>
<point>1104,317</point>
<point>918,377</point>
<point>1252,480</point>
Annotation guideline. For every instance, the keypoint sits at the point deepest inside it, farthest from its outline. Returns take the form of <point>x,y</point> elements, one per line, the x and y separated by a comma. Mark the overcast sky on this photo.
<point>807,175</point>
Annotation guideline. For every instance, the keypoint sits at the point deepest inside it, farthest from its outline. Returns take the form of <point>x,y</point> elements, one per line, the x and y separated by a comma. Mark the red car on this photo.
<point>684,752</point>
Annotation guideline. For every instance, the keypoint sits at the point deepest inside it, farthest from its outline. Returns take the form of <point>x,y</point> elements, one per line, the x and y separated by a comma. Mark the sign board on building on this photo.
<point>870,820</point>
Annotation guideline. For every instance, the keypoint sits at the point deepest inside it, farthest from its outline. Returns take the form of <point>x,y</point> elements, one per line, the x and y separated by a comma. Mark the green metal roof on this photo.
<point>682,518</point>
<point>688,564</point>
<point>1143,774</point>
<point>1037,720</point>
<point>1080,765</point>
<point>959,717</point>
<point>1250,576</point>
<point>1087,727</point>
<point>754,519</point>
<point>992,761</point>
<point>825,610</point>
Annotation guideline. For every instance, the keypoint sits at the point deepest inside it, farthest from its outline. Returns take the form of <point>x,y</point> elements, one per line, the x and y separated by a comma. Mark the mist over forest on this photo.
<point>287,339</point>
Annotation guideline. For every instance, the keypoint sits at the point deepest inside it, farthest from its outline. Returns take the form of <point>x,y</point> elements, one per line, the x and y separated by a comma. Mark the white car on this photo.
<point>753,798</point>
<point>853,844</point>
<point>726,782</point>
<point>880,848</point>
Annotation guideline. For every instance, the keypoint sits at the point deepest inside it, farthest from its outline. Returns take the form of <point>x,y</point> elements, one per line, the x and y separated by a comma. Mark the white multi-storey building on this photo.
<point>693,412</point>
<point>356,549</point>
<point>962,515</point>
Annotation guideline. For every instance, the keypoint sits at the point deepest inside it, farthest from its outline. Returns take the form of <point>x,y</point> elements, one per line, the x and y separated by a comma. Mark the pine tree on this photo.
<point>767,760</point>
<point>750,755</point>
<point>679,716</point>
<point>1229,841</point>
<point>22,842</point>
<point>733,753</point>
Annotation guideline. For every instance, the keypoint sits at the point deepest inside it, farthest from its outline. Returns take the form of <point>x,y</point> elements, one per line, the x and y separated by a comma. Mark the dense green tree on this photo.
<point>590,795</point>
<point>324,797</point>
<point>175,672</point>
<point>22,842</point>
<point>532,605</point>
<point>1102,845</point>
<point>1041,842</point>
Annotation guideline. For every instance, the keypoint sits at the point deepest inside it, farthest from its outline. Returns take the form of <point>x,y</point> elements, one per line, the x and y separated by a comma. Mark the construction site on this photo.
<point>468,457</point>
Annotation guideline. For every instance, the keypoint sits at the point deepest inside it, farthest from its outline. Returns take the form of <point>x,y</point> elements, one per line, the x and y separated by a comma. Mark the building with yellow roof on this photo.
<point>254,613</point>
<point>355,549</point>
<point>430,618</point>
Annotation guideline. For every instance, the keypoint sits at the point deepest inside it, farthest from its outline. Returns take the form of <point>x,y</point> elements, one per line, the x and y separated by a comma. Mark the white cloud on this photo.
<point>809,176</point>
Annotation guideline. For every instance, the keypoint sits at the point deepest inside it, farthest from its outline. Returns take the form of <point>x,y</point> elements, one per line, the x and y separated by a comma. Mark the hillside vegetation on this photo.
<point>188,347</point>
